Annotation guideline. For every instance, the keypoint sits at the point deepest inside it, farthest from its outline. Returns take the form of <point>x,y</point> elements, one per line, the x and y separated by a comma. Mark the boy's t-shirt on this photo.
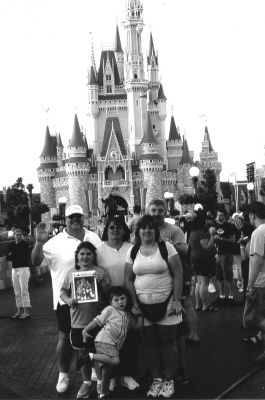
<point>83,313</point>
<point>115,325</point>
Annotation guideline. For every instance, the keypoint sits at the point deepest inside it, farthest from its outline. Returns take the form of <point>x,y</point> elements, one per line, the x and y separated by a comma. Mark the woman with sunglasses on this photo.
<point>154,279</point>
<point>111,256</point>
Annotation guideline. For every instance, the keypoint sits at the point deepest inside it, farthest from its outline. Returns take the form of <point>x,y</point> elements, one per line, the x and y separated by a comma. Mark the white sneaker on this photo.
<point>211,288</point>
<point>167,389</point>
<point>62,384</point>
<point>129,383</point>
<point>112,384</point>
<point>84,391</point>
<point>155,388</point>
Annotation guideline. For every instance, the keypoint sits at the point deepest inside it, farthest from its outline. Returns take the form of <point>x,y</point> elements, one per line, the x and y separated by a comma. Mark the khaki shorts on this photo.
<point>107,349</point>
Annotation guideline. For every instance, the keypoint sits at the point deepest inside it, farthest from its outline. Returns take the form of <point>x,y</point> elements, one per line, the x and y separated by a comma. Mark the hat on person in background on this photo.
<point>74,209</point>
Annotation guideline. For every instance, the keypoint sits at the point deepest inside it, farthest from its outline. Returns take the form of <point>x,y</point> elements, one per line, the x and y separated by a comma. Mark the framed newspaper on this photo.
<point>85,288</point>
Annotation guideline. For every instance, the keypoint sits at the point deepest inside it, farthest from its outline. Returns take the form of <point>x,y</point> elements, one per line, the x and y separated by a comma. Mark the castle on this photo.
<point>130,156</point>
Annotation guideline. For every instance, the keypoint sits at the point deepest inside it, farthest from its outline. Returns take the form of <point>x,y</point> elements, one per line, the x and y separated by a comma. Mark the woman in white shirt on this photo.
<point>154,278</point>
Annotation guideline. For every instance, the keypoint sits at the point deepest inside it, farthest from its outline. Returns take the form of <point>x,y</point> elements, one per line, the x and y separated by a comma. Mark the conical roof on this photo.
<point>59,141</point>
<point>185,159</point>
<point>149,136</point>
<point>93,79</point>
<point>77,137</point>
<point>117,47</point>
<point>49,147</point>
<point>173,132</point>
<point>207,137</point>
<point>161,94</point>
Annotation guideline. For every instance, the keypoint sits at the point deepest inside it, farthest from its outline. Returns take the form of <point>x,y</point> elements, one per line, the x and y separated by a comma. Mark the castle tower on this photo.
<point>59,150</point>
<point>185,164</point>
<point>209,159</point>
<point>152,70</point>
<point>119,55</point>
<point>46,172</point>
<point>135,83</point>
<point>77,170</point>
<point>174,146</point>
<point>151,164</point>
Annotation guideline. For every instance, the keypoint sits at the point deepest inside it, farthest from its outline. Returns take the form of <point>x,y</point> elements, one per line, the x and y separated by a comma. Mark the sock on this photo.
<point>88,382</point>
<point>91,355</point>
<point>222,296</point>
<point>63,374</point>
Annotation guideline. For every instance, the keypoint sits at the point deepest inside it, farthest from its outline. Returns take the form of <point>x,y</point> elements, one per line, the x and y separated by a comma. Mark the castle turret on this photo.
<point>46,172</point>
<point>135,83</point>
<point>59,149</point>
<point>152,69</point>
<point>151,164</point>
<point>77,170</point>
<point>93,106</point>
<point>209,159</point>
<point>174,146</point>
<point>119,55</point>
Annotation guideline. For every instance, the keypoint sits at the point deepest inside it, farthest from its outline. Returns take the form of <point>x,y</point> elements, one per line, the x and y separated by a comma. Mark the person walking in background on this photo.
<point>225,242</point>
<point>19,253</point>
<point>59,254</point>
<point>83,313</point>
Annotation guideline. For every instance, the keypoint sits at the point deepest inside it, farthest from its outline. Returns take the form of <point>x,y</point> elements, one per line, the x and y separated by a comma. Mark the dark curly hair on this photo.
<point>89,246</point>
<point>117,220</point>
<point>144,222</point>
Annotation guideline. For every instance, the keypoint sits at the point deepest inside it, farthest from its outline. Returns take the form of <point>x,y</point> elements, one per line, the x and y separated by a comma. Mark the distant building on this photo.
<point>130,156</point>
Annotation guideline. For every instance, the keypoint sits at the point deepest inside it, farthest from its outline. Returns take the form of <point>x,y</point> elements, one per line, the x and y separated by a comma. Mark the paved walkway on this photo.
<point>28,367</point>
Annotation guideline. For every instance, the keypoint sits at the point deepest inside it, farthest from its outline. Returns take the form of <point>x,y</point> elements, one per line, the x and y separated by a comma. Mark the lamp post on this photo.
<point>250,188</point>
<point>62,203</point>
<point>194,173</point>
<point>168,196</point>
<point>30,188</point>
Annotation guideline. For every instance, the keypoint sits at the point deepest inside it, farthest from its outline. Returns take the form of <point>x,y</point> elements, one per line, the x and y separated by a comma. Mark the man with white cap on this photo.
<point>59,254</point>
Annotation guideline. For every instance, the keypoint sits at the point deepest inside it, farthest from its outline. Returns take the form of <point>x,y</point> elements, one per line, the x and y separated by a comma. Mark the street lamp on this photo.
<point>62,203</point>
<point>30,187</point>
<point>250,188</point>
<point>168,196</point>
<point>194,173</point>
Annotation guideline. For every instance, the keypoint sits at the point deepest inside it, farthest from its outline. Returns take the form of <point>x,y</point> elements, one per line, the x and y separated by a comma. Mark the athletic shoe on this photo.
<point>211,288</point>
<point>62,384</point>
<point>129,383</point>
<point>24,316</point>
<point>84,391</point>
<point>155,388</point>
<point>167,389</point>
<point>112,384</point>
<point>17,315</point>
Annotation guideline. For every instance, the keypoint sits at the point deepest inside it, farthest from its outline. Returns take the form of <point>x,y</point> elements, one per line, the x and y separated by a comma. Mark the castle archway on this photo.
<point>115,205</point>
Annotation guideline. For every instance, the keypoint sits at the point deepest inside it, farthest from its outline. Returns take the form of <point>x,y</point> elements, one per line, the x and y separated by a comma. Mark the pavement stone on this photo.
<point>28,368</point>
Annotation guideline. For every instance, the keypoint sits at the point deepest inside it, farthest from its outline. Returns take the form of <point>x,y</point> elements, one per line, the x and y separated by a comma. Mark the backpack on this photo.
<point>162,248</point>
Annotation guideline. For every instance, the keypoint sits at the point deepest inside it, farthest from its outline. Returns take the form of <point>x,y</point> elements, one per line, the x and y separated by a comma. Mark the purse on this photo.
<point>156,311</point>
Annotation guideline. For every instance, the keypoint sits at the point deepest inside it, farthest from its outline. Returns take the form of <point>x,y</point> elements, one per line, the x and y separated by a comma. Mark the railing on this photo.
<point>122,182</point>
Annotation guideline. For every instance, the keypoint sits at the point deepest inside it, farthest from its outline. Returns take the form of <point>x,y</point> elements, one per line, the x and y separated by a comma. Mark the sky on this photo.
<point>211,64</point>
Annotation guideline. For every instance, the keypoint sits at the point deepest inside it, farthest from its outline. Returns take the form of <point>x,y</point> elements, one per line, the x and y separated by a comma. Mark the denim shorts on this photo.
<point>254,311</point>
<point>107,349</point>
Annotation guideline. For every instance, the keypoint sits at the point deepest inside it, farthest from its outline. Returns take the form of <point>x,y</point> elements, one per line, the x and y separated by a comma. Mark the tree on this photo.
<point>18,206</point>
<point>206,191</point>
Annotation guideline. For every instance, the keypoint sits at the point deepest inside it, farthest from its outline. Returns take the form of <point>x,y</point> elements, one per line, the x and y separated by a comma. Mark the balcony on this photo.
<point>122,182</point>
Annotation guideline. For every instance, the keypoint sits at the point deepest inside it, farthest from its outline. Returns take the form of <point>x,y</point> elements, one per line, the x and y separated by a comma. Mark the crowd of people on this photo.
<point>150,278</point>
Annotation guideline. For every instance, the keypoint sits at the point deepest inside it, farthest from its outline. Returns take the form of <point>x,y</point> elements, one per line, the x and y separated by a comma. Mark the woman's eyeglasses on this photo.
<point>118,227</point>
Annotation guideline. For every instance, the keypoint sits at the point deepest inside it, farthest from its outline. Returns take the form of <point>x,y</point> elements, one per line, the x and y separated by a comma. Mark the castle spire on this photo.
<point>49,147</point>
<point>185,159</point>
<point>151,47</point>
<point>92,80</point>
<point>207,138</point>
<point>117,47</point>
<point>92,57</point>
<point>148,136</point>
<point>77,137</point>
<point>173,131</point>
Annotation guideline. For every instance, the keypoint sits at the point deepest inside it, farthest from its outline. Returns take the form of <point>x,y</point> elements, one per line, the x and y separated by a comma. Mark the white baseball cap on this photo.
<point>74,209</point>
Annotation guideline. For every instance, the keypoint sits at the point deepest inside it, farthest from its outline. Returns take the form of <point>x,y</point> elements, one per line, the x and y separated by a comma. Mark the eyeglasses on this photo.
<point>72,216</point>
<point>112,227</point>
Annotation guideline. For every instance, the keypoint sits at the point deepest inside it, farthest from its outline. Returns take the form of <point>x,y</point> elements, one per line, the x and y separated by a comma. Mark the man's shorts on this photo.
<point>107,349</point>
<point>63,318</point>
<point>254,310</point>
<point>224,267</point>
<point>76,339</point>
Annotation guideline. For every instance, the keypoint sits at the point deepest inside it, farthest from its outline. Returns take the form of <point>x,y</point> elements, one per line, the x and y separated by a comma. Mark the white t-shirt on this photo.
<point>151,272</point>
<point>257,246</point>
<point>59,255</point>
<point>113,261</point>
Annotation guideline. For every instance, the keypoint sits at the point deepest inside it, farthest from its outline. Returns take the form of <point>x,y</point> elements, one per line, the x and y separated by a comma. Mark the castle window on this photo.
<point>109,89</point>
<point>135,76</point>
<point>136,103</point>
<point>154,126</point>
<point>108,77</point>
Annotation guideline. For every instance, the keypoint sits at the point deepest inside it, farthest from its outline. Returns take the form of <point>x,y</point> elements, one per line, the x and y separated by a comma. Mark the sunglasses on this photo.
<point>72,216</point>
<point>112,227</point>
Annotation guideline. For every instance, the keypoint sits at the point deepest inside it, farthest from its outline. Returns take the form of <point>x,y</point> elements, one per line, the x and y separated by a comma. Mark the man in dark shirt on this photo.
<point>18,253</point>
<point>225,240</point>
